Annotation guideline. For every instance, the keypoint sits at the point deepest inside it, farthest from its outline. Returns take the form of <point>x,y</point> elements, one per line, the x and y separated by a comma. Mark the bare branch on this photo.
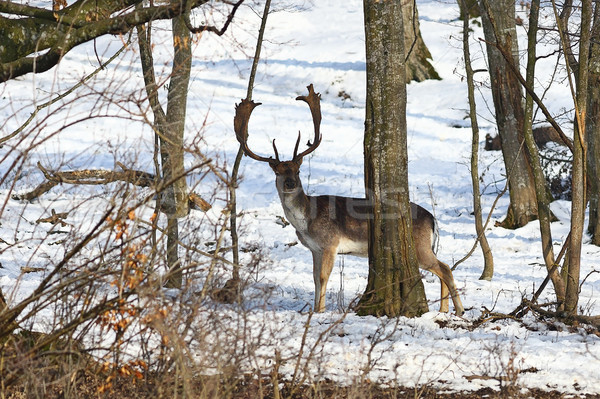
<point>213,29</point>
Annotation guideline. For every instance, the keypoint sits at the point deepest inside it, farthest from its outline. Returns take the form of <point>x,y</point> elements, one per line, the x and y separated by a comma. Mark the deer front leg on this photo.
<point>322,266</point>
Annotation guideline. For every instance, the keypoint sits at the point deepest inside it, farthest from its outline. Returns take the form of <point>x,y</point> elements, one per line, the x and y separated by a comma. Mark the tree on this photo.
<point>543,201</point>
<point>418,65</point>
<point>394,285</point>
<point>169,130</point>
<point>580,67</point>
<point>470,8</point>
<point>500,34</point>
<point>488,268</point>
<point>592,131</point>
<point>61,29</point>
<point>33,30</point>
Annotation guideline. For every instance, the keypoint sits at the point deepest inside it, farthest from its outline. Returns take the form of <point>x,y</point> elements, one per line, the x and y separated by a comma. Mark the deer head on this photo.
<point>287,172</point>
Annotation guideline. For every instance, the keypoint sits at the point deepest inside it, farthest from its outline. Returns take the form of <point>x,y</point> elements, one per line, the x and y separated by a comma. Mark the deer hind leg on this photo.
<point>429,262</point>
<point>443,271</point>
<point>444,295</point>
<point>322,266</point>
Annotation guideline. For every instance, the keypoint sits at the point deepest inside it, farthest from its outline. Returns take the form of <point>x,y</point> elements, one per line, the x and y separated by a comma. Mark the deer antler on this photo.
<point>314,102</point>
<point>240,125</point>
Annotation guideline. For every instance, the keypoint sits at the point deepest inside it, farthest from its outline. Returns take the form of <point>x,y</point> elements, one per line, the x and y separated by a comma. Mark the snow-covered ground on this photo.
<point>320,42</point>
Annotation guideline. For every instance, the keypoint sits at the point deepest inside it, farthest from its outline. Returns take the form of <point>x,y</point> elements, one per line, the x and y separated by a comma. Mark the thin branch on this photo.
<point>213,29</point>
<point>63,95</point>
<point>238,158</point>
<point>509,61</point>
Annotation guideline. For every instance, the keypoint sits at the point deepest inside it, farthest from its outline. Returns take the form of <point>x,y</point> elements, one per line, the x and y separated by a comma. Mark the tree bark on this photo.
<point>170,129</point>
<point>578,203</point>
<point>418,57</point>
<point>171,140</point>
<point>498,18</point>
<point>174,199</point>
<point>592,131</point>
<point>488,268</point>
<point>543,201</point>
<point>394,285</point>
<point>470,8</point>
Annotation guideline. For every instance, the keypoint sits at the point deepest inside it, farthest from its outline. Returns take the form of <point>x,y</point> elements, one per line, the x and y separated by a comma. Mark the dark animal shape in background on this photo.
<point>542,135</point>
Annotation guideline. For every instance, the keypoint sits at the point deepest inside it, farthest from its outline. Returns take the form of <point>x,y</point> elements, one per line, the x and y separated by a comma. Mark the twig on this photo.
<point>213,29</point>
<point>522,309</point>
<point>487,221</point>
<point>63,95</point>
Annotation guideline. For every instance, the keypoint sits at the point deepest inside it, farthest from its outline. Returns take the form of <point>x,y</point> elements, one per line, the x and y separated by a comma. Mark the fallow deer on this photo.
<point>328,225</point>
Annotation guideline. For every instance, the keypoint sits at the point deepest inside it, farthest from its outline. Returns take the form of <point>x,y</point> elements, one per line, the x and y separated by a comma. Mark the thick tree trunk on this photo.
<point>592,132</point>
<point>593,156</point>
<point>418,65</point>
<point>498,18</point>
<point>394,286</point>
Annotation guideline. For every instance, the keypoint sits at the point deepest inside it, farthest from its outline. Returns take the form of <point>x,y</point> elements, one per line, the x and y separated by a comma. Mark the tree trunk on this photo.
<point>3,304</point>
<point>174,200</point>
<point>418,65</point>
<point>470,8</point>
<point>498,18</point>
<point>488,268</point>
<point>578,202</point>
<point>543,201</point>
<point>592,131</point>
<point>394,285</point>
<point>170,129</point>
<point>171,145</point>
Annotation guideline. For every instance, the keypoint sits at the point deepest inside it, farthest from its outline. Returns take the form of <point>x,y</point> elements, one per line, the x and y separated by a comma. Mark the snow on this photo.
<point>320,42</point>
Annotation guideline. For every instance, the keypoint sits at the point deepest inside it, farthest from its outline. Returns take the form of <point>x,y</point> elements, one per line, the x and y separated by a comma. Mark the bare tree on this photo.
<point>169,129</point>
<point>500,34</point>
<point>543,202</point>
<point>394,286</point>
<point>488,268</point>
<point>578,179</point>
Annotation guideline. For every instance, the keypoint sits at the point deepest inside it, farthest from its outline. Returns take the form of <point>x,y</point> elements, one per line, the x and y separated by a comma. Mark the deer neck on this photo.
<point>296,206</point>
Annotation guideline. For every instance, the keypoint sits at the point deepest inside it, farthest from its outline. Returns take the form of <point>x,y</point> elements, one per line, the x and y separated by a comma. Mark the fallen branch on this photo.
<point>101,176</point>
<point>565,317</point>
